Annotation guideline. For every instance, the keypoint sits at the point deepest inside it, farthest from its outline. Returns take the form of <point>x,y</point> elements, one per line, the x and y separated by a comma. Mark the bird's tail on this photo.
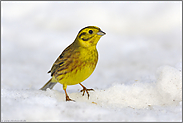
<point>49,84</point>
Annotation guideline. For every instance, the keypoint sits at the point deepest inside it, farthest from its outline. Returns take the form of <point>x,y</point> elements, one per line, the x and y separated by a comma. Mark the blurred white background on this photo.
<point>140,37</point>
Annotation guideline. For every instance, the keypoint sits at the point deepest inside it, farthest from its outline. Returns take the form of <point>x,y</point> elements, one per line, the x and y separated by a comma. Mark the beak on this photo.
<point>101,33</point>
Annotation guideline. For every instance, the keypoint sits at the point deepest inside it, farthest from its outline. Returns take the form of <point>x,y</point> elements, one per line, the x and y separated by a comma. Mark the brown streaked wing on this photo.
<point>64,60</point>
<point>69,65</point>
<point>61,59</point>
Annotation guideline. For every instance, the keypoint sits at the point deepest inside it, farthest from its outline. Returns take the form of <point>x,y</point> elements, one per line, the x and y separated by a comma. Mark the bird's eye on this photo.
<point>90,31</point>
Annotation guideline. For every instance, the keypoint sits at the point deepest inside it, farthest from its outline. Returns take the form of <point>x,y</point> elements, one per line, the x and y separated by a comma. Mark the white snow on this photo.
<point>138,76</point>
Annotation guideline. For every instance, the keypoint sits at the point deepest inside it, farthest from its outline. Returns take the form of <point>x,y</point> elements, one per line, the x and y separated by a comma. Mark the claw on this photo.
<point>68,99</point>
<point>85,90</point>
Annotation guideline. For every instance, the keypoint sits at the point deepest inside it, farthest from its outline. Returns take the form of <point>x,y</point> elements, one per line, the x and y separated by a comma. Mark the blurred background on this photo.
<point>140,37</point>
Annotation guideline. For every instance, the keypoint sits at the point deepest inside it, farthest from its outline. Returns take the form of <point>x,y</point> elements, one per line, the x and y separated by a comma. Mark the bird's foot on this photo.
<point>69,99</point>
<point>86,90</point>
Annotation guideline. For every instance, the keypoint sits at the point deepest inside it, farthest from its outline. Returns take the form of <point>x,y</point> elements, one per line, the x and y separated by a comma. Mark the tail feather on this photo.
<point>49,84</point>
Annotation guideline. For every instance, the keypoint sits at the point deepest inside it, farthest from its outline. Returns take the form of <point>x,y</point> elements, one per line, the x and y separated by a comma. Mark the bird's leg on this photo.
<point>67,97</point>
<point>85,89</point>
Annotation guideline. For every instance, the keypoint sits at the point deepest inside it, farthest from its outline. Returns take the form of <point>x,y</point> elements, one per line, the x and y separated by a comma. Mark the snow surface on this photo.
<point>138,76</point>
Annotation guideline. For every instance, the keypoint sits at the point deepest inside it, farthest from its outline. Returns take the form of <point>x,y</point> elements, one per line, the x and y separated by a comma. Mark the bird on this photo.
<point>77,62</point>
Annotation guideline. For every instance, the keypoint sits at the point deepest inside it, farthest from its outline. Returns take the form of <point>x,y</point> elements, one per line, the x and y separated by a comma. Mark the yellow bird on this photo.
<point>77,62</point>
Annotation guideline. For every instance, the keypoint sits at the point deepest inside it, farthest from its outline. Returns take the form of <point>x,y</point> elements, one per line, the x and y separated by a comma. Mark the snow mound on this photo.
<point>169,84</point>
<point>165,91</point>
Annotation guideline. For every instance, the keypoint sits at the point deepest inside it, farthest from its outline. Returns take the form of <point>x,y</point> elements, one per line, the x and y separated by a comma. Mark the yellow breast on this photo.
<point>80,68</point>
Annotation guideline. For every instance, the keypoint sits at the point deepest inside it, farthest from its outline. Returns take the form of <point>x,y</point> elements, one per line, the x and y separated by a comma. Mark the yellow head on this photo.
<point>89,36</point>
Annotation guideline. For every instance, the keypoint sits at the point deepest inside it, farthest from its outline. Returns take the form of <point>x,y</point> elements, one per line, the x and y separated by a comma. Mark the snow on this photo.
<point>138,76</point>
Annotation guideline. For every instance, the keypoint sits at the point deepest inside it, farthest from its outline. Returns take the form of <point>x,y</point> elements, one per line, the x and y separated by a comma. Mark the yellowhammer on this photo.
<point>77,62</point>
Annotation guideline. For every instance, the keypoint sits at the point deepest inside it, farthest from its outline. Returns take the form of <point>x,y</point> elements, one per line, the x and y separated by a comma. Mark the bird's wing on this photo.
<point>63,60</point>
